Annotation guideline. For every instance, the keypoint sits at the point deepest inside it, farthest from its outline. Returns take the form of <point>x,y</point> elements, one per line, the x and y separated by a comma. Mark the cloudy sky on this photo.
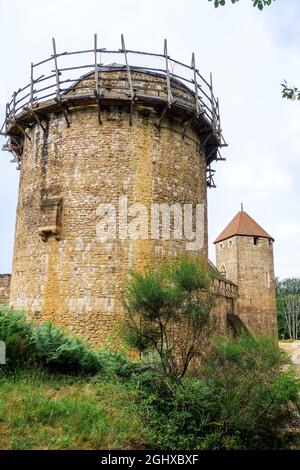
<point>249,53</point>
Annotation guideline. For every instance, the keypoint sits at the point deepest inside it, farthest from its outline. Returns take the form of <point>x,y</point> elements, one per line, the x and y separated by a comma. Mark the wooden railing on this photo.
<point>54,77</point>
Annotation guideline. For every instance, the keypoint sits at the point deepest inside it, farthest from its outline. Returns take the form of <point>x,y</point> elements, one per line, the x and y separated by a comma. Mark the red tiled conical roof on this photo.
<point>242,224</point>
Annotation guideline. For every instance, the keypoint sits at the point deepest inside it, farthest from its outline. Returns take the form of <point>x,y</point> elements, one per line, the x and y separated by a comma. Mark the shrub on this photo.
<point>239,401</point>
<point>46,345</point>
<point>168,313</point>
<point>116,363</point>
<point>64,352</point>
<point>16,333</point>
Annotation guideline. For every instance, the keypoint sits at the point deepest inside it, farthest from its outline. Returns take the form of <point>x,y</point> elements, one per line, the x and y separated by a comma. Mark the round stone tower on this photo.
<point>113,176</point>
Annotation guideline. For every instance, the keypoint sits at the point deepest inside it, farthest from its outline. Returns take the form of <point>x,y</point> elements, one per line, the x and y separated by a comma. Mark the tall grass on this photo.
<point>39,410</point>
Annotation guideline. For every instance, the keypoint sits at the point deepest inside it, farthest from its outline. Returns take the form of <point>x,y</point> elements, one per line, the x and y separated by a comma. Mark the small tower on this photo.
<point>244,255</point>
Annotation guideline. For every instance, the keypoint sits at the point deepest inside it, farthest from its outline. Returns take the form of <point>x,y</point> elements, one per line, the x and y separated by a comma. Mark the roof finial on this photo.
<point>242,206</point>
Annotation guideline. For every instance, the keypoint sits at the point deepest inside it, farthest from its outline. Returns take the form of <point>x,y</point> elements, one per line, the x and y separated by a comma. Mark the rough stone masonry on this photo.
<point>4,288</point>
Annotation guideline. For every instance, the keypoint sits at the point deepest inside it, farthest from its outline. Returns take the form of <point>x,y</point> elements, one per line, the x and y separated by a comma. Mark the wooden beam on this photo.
<point>36,117</point>
<point>170,96</point>
<point>203,144</point>
<point>96,65</point>
<point>14,123</point>
<point>56,69</point>
<point>98,98</point>
<point>212,105</point>
<point>14,105</point>
<point>171,99</point>
<point>96,91</point>
<point>64,109</point>
<point>210,179</point>
<point>132,94</point>
<point>198,106</point>
<point>187,123</point>
<point>6,117</point>
<point>31,86</point>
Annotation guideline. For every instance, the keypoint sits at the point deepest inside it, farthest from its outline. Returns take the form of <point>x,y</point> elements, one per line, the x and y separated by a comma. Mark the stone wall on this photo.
<point>225,296</point>
<point>62,269</point>
<point>4,288</point>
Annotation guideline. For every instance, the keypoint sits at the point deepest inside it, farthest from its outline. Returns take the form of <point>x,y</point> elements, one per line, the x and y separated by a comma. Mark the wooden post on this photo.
<point>128,78</point>
<point>6,116</point>
<point>218,118</point>
<point>14,105</point>
<point>199,109</point>
<point>170,96</point>
<point>96,91</point>
<point>58,97</point>
<point>212,105</point>
<point>31,86</point>
<point>21,129</point>
<point>96,65</point>
<point>36,117</point>
<point>171,99</point>
<point>56,70</point>
<point>210,179</point>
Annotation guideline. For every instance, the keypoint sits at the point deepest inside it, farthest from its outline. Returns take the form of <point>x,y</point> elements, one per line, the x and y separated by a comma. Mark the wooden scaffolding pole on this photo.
<point>58,95</point>
<point>132,94</point>
<point>56,70</point>
<point>96,91</point>
<point>198,106</point>
<point>171,99</point>
<point>213,111</point>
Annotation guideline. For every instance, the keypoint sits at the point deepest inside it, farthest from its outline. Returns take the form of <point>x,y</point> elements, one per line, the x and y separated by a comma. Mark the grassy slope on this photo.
<point>39,410</point>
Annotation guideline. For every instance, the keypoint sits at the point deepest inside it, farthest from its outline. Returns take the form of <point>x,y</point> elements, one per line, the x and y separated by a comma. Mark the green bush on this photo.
<point>67,353</point>
<point>116,363</point>
<point>46,345</point>
<point>239,401</point>
<point>169,313</point>
<point>16,333</point>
